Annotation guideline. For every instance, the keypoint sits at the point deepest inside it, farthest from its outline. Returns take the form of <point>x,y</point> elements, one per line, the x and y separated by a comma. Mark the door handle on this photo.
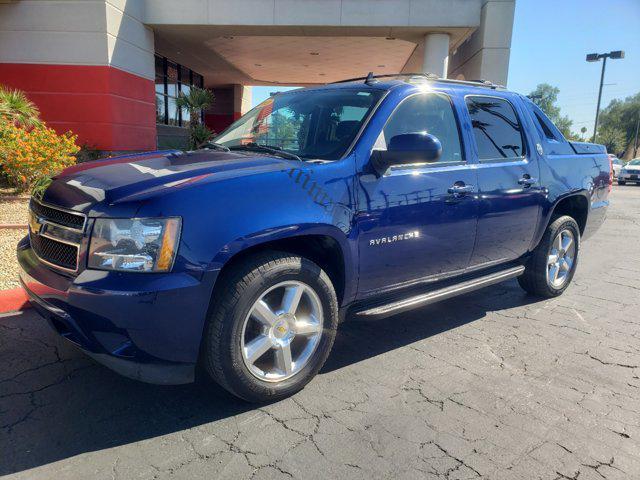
<point>527,181</point>
<point>460,189</point>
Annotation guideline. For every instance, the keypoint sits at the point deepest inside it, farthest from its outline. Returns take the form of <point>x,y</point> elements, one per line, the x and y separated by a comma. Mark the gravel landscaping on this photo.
<point>11,212</point>
<point>9,270</point>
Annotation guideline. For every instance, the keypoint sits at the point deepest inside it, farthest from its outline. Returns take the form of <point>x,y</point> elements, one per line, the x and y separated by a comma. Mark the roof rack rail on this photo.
<point>371,76</point>
<point>371,79</point>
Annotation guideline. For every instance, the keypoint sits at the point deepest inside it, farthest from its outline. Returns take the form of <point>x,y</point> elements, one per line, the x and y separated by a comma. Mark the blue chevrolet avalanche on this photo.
<point>362,198</point>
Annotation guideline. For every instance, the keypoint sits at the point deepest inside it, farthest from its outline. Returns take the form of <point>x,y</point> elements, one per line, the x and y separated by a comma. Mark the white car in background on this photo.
<point>616,164</point>
<point>630,172</point>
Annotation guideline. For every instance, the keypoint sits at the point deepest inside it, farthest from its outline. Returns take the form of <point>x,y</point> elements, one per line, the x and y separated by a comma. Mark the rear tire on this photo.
<point>549,270</point>
<point>621,182</point>
<point>263,340</point>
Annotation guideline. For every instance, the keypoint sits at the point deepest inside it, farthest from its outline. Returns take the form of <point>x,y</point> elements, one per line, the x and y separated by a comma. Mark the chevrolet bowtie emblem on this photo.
<point>34,224</point>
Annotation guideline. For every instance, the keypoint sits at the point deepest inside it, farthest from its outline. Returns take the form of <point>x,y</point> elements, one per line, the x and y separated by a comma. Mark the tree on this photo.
<point>16,108</point>
<point>195,102</point>
<point>583,132</point>
<point>545,96</point>
<point>621,116</point>
<point>564,125</point>
<point>612,138</point>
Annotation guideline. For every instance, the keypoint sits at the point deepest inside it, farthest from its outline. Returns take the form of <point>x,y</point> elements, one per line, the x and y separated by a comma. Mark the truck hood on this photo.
<point>120,179</point>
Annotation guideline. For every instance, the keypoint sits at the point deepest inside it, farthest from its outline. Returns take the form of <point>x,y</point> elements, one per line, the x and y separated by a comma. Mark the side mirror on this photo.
<point>407,149</point>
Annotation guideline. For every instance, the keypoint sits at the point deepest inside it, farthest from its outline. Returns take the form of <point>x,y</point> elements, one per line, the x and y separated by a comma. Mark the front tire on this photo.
<point>271,327</point>
<point>621,182</point>
<point>551,267</point>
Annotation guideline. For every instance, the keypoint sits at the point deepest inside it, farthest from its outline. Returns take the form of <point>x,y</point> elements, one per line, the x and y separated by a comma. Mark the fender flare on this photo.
<point>545,219</point>
<point>348,248</point>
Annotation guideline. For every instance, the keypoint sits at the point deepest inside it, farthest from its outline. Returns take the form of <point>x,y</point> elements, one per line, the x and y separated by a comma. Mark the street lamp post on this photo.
<point>594,57</point>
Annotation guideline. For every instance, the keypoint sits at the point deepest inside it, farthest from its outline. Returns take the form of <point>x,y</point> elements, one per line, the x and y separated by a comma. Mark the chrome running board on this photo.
<point>440,294</point>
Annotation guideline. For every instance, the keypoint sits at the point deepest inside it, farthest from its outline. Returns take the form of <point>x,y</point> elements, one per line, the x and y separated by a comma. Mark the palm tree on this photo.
<point>196,101</point>
<point>17,108</point>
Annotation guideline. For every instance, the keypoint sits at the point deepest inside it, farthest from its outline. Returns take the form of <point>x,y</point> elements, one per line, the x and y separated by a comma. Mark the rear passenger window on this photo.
<point>496,127</point>
<point>431,113</point>
<point>545,128</point>
<point>551,138</point>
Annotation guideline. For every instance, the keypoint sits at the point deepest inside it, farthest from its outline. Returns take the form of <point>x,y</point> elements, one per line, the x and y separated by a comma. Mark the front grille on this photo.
<point>61,217</point>
<point>54,252</point>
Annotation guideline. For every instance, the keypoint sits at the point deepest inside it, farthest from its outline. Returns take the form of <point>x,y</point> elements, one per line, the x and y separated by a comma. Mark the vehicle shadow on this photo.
<point>359,340</point>
<point>62,404</point>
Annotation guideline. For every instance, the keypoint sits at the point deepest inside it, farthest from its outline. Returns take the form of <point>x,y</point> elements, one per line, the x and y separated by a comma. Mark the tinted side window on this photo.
<point>496,127</point>
<point>431,113</point>
<point>551,138</point>
<point>547,126</point>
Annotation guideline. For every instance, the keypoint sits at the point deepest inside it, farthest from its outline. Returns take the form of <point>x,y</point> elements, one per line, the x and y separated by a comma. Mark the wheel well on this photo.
<point>323,250</point>
<point>576,206</point>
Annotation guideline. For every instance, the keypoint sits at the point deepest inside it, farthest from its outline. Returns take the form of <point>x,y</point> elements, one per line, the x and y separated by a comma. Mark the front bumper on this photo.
<point>629,177</point>
<point>145,326</point>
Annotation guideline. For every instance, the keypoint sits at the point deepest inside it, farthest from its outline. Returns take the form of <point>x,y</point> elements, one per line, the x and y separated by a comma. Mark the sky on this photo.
<point>550,41</point>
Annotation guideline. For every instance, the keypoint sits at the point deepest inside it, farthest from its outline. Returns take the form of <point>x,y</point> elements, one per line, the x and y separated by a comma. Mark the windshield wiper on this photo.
<point>273,150</point>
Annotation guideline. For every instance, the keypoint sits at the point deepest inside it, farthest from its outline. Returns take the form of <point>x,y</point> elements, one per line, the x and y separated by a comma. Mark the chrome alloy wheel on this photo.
<point>561,258</point>
<point>281,331</point>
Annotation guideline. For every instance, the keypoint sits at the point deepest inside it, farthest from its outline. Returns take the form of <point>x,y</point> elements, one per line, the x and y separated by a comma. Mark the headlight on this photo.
<point>134,245</point>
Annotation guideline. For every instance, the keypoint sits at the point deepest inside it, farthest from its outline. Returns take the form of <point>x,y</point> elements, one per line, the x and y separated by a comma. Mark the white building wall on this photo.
<point>77,32</point>
<point>485,55</point>
<point>55,32</point>
<point>396,13</point>
<point>130,42</point>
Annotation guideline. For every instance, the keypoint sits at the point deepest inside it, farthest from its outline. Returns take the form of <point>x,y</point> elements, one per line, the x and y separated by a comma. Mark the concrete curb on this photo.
<point>13,226</point>
<point>14,198</point>
<point>13,300</point>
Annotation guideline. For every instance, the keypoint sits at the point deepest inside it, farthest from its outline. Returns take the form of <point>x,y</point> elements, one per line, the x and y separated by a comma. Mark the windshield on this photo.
<point>634,162</point>
<point>308,123</point>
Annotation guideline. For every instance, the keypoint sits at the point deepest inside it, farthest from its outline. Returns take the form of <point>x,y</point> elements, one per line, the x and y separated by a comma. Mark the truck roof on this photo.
<point>411,81</point>
<point>421,77</point>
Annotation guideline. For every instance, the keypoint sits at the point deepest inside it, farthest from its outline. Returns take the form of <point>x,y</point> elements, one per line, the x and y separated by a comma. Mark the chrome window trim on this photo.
<point>503,163</point>
<point>426,167</point>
